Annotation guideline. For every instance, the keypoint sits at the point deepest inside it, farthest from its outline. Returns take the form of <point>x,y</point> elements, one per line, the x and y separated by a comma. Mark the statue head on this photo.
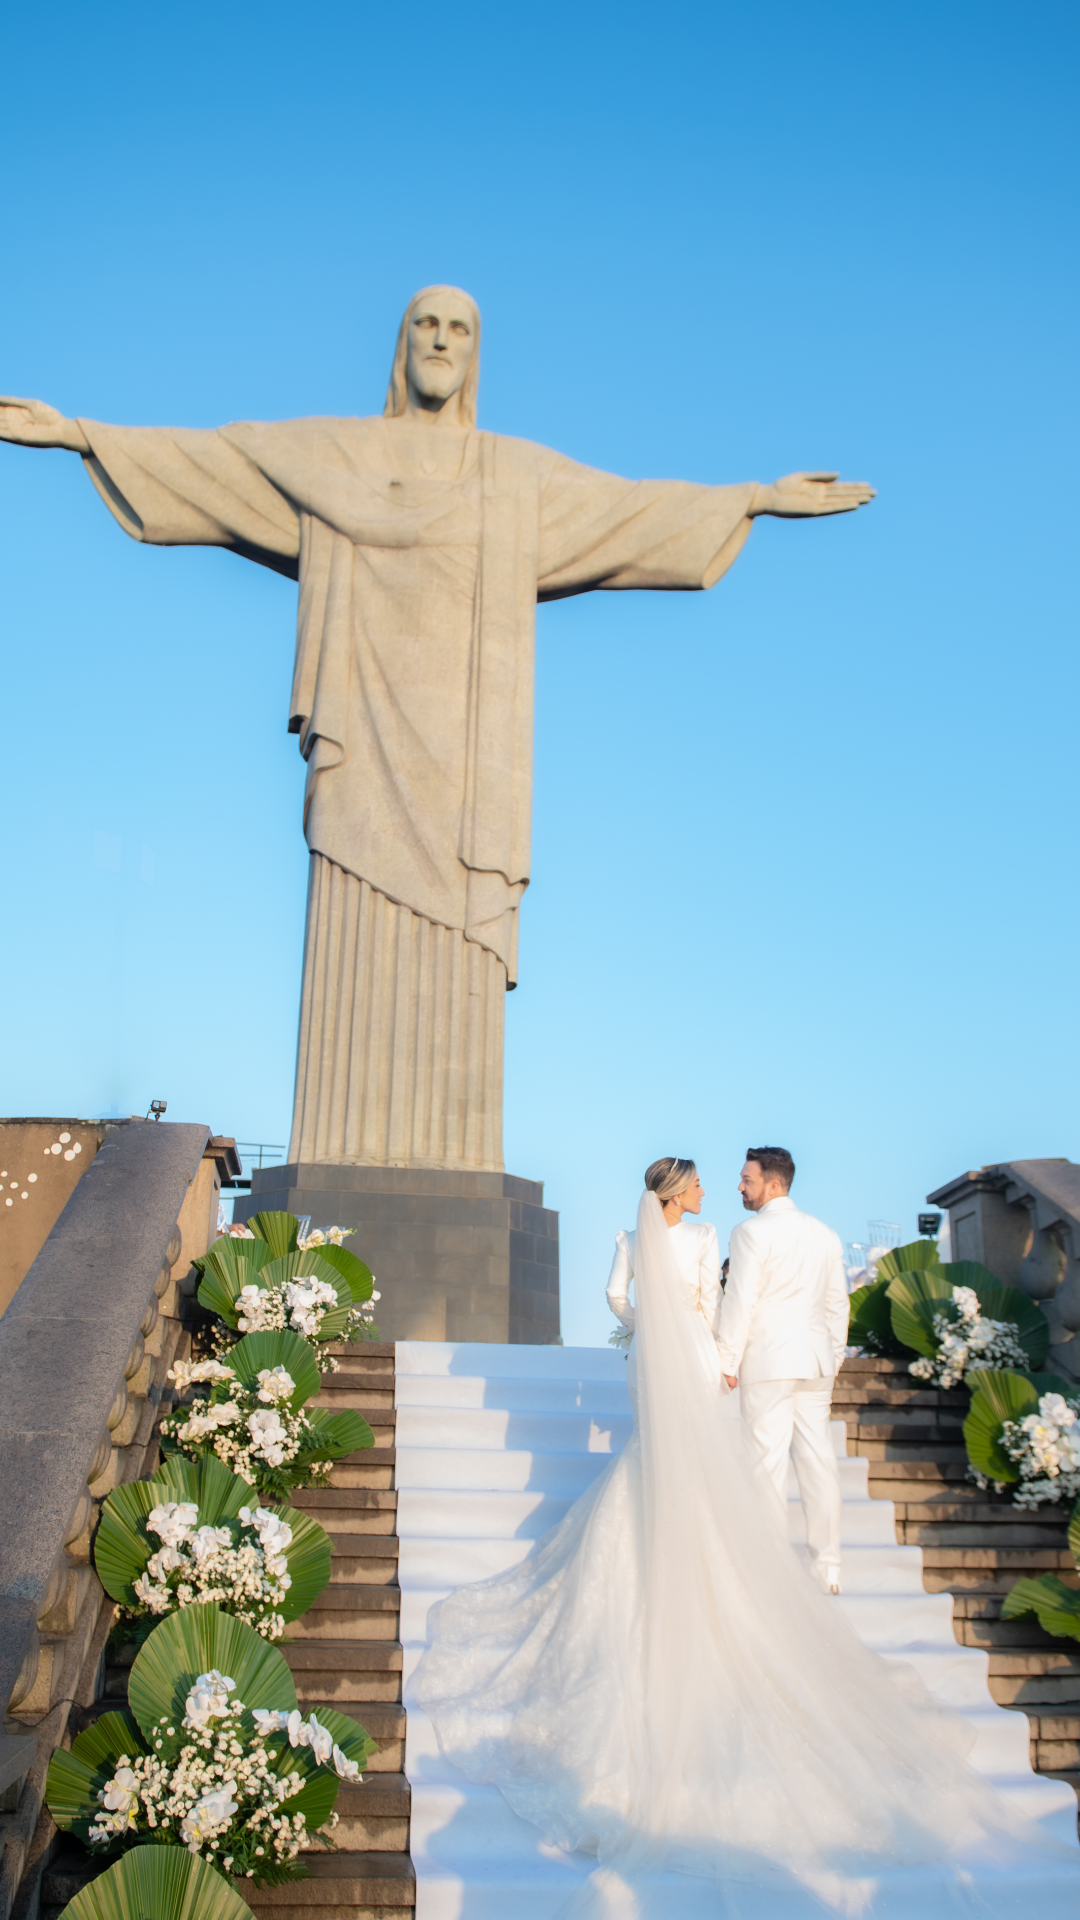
<point>437,356</point>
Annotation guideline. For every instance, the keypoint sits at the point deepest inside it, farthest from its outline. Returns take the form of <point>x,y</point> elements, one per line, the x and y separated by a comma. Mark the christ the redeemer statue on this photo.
<point>421,546</point>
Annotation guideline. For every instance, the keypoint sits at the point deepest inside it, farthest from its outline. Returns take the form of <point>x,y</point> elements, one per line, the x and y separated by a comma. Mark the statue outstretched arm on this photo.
<point>172,486</point>
<point>800,496</point>
<point>33,423</point>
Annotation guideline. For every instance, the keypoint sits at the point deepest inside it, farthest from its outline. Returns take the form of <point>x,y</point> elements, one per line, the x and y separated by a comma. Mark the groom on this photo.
<point>783,1329</point>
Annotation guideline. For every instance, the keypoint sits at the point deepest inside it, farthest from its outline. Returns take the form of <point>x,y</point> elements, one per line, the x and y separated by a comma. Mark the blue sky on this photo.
<point>803,847</point>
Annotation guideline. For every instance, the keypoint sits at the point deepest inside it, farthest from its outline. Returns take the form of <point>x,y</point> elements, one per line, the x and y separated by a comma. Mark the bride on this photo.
<point>663,1686</point>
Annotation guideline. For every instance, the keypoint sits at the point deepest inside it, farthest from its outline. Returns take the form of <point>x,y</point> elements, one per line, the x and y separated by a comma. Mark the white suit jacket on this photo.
<point>697,1252</point>
<point>785,1312</point>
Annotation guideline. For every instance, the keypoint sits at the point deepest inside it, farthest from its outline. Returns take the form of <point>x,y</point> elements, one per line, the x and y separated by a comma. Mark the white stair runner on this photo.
<point>493,1445</point>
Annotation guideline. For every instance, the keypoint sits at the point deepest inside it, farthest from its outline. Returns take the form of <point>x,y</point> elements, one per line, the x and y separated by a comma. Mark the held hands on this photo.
<point>731,1380</point>
<point>798,496</point>
<point>33,423</point>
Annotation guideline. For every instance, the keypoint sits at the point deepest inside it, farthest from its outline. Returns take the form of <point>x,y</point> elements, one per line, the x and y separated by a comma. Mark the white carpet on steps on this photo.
<point>493,1444</point>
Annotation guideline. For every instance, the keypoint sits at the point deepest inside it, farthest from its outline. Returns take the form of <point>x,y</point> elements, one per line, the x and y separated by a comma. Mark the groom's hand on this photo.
<point>732,1380</point>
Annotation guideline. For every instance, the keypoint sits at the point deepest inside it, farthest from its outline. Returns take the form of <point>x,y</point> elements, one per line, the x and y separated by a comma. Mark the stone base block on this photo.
<point>456,1256</point>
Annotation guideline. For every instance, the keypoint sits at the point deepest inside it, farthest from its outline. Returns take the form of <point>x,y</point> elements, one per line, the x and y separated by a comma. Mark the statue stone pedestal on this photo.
<point>456,1255</point>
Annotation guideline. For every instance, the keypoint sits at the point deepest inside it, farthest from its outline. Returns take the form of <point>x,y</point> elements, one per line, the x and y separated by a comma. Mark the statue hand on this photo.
<point>799,495</point>
<point>33,423</point>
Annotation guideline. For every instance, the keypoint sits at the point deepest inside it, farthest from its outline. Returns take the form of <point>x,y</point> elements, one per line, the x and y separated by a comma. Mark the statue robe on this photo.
<point>413,701</point>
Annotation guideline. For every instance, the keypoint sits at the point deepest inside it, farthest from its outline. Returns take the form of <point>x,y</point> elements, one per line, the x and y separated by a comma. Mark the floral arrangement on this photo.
<point>1044,1448</point>
<point>195,1534</point>
<point>620,1338</point>
<point>1056,1605</point>
<point>192,1765</point>
<point>967,1342</point>
<point>208,1563</point>
<point>267,1276</point>
<point>254,1418</point>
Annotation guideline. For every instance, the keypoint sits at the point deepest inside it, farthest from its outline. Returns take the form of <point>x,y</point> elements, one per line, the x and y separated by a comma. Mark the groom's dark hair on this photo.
<point>774,1160</point>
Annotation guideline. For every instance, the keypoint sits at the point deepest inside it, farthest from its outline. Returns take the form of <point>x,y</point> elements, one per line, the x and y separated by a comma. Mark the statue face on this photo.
<point>442,337</point>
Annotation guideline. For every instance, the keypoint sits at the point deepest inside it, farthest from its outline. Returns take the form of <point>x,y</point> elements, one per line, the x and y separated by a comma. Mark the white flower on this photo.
<point>274,1534</point>
<point>156,1598</point>
<point>173,1522</point>
<point>208,1700</point>
<point>320,1741</point>
<point>347,1769</point>
<point>1055,1408</point>
<point>268,1436</point>
<point>189,1373</point>
<point>298,1731</point>
<point>207,1540</point>
<point>121,1795</point>
<point>272,1719</point>
<point>276,1384</point>
<point>251,1306</point>
<point>210,1812</point>
<point>161,1564</point>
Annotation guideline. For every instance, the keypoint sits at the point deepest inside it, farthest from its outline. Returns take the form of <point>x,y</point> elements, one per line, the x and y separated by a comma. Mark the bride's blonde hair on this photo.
<point>668,1177</point>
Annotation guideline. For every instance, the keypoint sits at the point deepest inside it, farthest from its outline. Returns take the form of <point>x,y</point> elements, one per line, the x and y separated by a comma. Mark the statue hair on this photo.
<point>397,393</point>
<point>669,1176</point>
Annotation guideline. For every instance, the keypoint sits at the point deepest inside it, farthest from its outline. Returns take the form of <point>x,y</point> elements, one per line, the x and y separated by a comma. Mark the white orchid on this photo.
<point>190,1373</point>
<point>268,1436</point>
<point>173,1522</point>
<point>251,1304</point>
<point>208,1700</point>
<point>161,1564</point>
<point>207,1540</point>
<point>208,1815</point>
<point>120,1797</point>
<point>275,1534</point>
<point>347,1769</point>
<point>276,1384</point>
<point>271,1719</point>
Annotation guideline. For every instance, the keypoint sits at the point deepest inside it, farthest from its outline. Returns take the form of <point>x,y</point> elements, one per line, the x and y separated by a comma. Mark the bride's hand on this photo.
<point>731,1380</point>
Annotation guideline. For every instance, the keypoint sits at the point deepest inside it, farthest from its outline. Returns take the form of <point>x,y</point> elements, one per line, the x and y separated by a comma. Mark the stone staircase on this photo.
<point>974,1545</point>
<point>346,1653</point>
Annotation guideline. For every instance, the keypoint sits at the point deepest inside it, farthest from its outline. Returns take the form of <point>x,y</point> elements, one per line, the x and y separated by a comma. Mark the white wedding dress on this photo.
<point>661,1684</point>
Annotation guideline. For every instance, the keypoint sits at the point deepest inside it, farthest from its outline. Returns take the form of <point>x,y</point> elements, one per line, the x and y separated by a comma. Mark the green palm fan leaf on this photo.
<point>1074,1532</point>
<point>280,1231</point>
<point>339,1433</point>
<point>915,1297</point>
<point>160,1883</point>
<point>316,1797</point>
<point>312,1266</point>
<point>75,1779</point>
<point>996,1397</point>
<point>198,1640</point>
<point>360,1277</point>
<point>123,1546</point>
<point>227,1267</point>
<point>871,1322</point>
<point>910,1259</point>
<point>1057,1606</point>
<point>1005,1303</point>
<point>257,1352</point>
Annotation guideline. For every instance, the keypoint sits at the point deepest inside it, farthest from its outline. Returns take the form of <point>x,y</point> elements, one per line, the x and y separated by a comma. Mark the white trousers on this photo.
<point>786,1418</point>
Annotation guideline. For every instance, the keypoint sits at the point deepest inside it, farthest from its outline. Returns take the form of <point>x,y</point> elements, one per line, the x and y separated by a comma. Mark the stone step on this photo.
<point>979,1631</point>
<point>363,1886</point>
<point>1049,1675</point>
<point>869,1445</point>
<point>371,1467</point>
<point>1055,1737</point>
<point>1009,1529</point>
<point>352,1610</point>
<point>370,1558</point>
<point>374,1817</point>
<point>891,1479</point>
<point>351,1509</point>
<point>346,1670</point>
<point>891,1394</point>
